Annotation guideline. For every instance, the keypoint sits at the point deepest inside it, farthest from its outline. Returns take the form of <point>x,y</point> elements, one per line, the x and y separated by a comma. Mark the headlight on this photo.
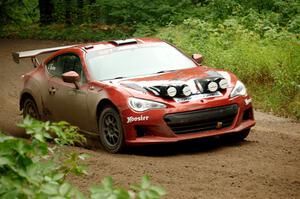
<point>239,89</point>
<point>143,105</point>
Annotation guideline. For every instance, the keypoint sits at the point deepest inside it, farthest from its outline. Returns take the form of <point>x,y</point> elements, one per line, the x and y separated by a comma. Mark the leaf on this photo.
<point>58,176</point>
<point>83,156</point>
<point>39,137</point>
<point>50,189</point>
<point>158,190</point>
<point>142,195</point>
<point>4,161</point>
<point>4,137</point>
<point>122,194</point>
<point>107,182</point>
<point>78,195</point>
<point>57,197</point>
<point>10,194</point>
<point>64,189</point>
<point>145,182</point>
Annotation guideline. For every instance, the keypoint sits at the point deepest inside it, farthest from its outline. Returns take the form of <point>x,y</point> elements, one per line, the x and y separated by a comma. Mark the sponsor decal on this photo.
<point>137,119</point>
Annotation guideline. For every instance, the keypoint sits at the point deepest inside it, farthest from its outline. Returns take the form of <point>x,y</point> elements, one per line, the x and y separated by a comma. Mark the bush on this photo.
<point>33,169</point>
<point>267,61</point>
<point>257,40</point>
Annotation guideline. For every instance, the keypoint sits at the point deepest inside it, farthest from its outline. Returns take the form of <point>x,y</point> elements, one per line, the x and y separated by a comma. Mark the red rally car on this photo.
<point>135,91</point>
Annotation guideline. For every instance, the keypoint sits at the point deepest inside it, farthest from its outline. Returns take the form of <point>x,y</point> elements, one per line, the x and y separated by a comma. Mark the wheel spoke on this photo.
<point>116,136</point>
<point>116,130</point>
<point>110,119</point>
<point>114,139</point>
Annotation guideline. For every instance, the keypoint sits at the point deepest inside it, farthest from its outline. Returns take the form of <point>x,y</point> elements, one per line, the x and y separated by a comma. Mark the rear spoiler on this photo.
<point>33,53</point>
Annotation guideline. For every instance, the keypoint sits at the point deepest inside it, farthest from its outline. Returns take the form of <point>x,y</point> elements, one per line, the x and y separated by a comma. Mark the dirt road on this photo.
<point>266,165</point>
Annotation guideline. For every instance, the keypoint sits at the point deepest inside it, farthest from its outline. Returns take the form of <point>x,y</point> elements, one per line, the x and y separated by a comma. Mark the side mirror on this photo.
<point>71,77</point>
<point>198,58</point>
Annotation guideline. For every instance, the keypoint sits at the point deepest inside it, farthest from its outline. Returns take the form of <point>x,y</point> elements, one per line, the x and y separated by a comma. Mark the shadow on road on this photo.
<point>202,145</point>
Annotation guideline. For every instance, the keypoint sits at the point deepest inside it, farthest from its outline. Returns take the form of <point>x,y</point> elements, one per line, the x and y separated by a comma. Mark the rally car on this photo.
<point>133,92</point>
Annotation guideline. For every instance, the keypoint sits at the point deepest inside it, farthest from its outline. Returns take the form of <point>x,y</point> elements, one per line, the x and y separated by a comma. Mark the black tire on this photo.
<point>111,130</point>
<point>237,137</point>
<point>30,108</point>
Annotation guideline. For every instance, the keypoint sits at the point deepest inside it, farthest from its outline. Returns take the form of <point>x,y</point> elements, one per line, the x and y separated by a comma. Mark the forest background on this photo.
<point>257,40</point>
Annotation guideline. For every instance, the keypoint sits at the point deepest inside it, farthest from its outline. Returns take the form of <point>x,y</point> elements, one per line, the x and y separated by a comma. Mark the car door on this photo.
<point>63,101</point>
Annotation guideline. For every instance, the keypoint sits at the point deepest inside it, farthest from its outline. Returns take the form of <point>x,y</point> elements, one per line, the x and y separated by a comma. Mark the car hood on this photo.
<point>137,86</point>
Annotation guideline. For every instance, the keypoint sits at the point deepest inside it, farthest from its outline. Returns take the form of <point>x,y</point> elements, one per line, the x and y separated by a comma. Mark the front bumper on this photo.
<point>185,122</point>
<point>157,139</point>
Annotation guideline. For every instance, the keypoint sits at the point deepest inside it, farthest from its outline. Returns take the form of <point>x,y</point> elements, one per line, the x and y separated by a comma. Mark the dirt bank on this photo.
<point>266,165</point>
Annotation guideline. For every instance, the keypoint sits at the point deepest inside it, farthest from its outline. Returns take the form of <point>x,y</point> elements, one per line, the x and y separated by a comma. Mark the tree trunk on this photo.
<point>80,11</point>
<point>46,9</point>
<point>68,8</point>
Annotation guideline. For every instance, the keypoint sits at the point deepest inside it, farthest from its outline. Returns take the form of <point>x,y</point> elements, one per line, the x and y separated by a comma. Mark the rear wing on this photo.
<point>33,53</point>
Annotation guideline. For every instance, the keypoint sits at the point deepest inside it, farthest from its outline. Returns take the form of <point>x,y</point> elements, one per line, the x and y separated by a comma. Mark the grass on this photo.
<point>269,66</point>
<point>266,60</point>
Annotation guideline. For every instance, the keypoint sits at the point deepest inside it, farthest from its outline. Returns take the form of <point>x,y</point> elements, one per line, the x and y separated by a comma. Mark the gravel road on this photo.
<point>265,165</point>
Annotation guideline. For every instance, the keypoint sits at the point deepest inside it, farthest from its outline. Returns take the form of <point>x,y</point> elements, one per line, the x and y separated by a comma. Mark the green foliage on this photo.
<point>262,59</point>
<point>147,191</point>
<point>61,132</point>
<point>142,191</point>
<point>107,190</point>
<point>20,13</point>
<point>257,40</point>
<point>32,169</point>
<point>155,12</point>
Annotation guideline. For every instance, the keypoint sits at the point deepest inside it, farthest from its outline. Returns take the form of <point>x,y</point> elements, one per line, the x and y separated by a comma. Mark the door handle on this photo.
<point>52,90</point>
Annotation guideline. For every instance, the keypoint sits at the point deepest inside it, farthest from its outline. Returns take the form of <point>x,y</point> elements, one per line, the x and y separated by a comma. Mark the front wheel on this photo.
<point>30,108</point>
<point>111,130</point>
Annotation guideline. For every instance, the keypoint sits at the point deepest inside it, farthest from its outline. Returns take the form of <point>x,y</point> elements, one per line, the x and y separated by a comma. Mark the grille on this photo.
<point>201,120</point>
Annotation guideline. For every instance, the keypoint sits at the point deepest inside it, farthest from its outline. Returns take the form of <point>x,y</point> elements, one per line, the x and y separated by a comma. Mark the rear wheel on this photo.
<point>239,136</point>
<point>111,130</point>
<point>30,108</point>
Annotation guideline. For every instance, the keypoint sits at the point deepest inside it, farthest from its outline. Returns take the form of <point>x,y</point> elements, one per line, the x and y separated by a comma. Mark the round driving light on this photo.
<point>186,91</point>
<point>212,86</point>
<point>171,91</point>
<point>223,83</point>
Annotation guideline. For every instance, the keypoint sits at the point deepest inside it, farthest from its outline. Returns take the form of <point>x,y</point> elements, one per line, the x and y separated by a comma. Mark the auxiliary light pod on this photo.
<point>211,84</point>
<point>170,91</point>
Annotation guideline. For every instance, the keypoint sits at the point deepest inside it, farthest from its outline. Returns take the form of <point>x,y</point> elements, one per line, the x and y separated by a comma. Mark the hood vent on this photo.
<point>123,42</point>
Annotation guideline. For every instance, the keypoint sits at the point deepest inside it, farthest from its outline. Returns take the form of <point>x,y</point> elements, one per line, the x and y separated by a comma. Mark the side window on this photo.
<point>65,63</point>
<point>54,67</point>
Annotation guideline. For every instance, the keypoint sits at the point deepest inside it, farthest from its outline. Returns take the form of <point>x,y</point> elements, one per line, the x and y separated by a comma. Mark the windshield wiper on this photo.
<point>119,77</point>
<point>165,71</point>
<point>112,78</point>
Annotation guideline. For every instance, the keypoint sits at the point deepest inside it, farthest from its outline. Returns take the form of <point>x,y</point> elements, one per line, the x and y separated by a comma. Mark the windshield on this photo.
<point>136,60</point>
